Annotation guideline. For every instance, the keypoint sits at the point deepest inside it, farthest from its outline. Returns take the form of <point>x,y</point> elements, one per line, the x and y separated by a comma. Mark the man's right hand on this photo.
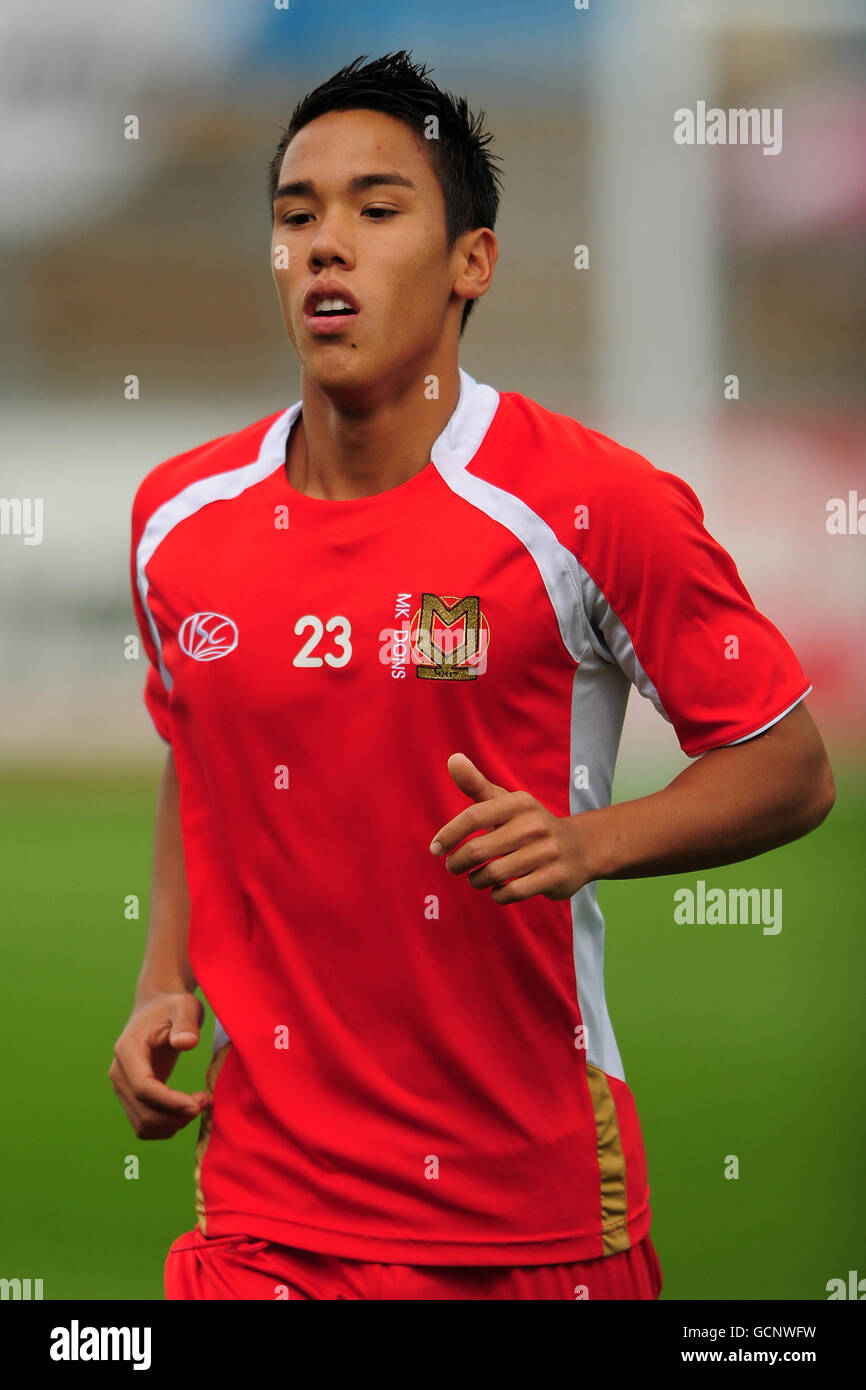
<point>144,1056</point>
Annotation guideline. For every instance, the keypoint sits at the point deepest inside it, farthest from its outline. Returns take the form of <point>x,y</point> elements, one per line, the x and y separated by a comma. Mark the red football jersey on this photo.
<point>404,1070</point>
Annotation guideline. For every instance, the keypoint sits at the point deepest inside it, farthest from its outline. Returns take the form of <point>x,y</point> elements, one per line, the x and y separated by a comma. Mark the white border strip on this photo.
<point>764,727</point>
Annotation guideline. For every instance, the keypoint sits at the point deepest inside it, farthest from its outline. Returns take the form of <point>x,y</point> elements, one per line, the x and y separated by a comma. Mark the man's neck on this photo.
<point>336,454</point>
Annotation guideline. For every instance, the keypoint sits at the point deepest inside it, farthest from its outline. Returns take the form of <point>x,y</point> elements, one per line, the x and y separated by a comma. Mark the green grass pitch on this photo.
<point>734,1042</point>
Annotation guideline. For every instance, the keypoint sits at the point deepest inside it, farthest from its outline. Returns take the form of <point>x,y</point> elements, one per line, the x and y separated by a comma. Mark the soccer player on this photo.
<point>391,634</point>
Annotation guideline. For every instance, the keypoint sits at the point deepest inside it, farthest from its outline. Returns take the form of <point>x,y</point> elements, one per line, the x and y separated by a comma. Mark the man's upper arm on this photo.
<point>156,695</point>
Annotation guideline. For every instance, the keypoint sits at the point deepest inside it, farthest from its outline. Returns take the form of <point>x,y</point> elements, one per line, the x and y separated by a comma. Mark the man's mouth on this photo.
<point>327,315</point>
<point>333,308</point>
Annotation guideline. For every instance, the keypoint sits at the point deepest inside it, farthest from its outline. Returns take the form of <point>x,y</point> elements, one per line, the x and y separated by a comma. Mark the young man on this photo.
<point>392,631</point>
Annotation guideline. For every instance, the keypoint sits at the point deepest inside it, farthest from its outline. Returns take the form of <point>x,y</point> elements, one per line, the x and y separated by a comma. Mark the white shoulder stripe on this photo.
<point>572,593</point>
<point>191,499</point>
<point>556,565</point>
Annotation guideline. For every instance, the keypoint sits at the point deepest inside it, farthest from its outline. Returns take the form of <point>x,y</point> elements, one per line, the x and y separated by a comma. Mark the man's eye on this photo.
<point>298,219</point>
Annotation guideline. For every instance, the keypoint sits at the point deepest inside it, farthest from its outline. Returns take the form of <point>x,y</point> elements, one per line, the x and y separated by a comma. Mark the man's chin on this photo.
<point>344,376</point>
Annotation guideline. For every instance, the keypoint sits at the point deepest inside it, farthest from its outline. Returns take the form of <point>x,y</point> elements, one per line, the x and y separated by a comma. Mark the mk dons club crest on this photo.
<point>449,637</point>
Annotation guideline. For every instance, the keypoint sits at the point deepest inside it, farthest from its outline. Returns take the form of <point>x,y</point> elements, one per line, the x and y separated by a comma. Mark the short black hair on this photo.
<point>466,170</point>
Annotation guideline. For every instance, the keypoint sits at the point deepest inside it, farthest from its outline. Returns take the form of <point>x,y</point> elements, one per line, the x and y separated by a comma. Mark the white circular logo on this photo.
<point>206,636</point>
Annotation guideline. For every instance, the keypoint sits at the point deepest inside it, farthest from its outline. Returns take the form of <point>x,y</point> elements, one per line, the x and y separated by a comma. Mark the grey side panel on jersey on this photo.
<point>599,694</point>
<point>220,1036</point>
<point>617,641</point>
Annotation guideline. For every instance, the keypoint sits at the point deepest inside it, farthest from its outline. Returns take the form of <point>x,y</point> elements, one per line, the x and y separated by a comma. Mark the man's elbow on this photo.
<point>825,795</point>
<point>811,789</point>
<point>817,804</point>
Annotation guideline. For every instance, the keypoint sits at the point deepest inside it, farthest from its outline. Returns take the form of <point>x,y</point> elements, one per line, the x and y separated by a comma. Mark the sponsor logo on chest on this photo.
<point>207,636</point>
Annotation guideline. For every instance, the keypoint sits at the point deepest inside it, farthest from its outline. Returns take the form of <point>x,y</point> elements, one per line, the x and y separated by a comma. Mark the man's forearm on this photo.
<point>167,1015</point>
<point>166,967</point>
<point>730,805</point>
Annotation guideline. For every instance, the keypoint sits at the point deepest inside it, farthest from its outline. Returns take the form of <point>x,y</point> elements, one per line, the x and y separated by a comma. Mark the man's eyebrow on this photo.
<point>305,188</point>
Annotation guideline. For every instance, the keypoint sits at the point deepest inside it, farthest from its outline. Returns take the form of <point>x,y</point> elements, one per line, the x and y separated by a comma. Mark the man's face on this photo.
<point>382,242</point>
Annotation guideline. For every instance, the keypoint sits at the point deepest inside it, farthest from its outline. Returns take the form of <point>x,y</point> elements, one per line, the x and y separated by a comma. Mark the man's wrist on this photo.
<point>624,840</point>
<point>150,987</point>
<point>597,844</point>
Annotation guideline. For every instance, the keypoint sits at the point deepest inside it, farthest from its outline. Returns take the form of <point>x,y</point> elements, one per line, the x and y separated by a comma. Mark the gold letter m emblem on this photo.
<point>449,652</point>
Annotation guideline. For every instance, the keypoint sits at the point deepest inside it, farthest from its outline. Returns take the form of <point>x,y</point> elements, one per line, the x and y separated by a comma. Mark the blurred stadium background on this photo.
<point>151,257</point>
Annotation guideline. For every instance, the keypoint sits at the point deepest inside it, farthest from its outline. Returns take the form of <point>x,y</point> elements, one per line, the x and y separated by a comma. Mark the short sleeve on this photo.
<point>668,605</point>
<point>156,697</point>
